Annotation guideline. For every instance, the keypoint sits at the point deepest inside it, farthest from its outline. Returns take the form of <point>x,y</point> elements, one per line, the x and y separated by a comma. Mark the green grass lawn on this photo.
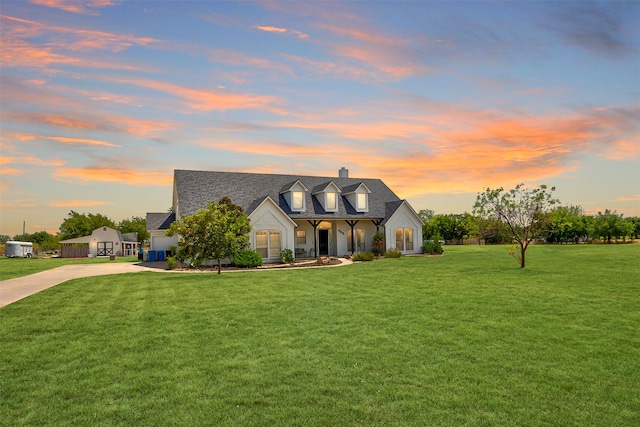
<point>18,267</point>
<point>464,339</point>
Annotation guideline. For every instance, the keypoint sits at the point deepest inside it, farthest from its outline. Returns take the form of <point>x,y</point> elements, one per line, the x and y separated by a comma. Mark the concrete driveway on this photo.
<point>13,290</point>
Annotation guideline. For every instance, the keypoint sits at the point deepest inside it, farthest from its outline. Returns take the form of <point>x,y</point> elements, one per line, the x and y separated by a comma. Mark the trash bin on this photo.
<point>112,257</point>
<point>152,256</point>
<point>160,256</point>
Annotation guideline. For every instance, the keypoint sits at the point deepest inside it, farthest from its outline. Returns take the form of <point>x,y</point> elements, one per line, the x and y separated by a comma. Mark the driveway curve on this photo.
<point>13,290</point>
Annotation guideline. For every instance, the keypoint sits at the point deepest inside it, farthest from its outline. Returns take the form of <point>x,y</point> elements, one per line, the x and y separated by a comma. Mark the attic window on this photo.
<point>362,202</point>
<point>297,199</point>
<point>332,201</point>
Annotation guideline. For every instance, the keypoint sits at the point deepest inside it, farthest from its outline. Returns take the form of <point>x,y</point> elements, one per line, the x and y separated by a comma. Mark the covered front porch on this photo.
<point>315,237</point>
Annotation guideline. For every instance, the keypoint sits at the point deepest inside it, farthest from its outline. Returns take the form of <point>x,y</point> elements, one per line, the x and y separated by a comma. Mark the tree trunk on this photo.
<point>219,265</point>
<point>523,249</point>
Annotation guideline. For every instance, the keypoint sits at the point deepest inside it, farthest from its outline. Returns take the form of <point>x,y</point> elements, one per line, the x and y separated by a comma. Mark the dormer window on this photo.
<point>358,197</point>
<point>362,204</point>
<point>332,201</point>
<point>327,195</point>
<point>295,195</point>
<point>297,198</point>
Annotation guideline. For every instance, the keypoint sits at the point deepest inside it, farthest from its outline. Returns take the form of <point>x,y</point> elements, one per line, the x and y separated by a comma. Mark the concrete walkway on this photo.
<point>13,290</point>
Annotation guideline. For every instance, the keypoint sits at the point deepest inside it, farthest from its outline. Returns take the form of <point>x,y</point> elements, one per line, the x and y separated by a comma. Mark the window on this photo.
<point>360,242</point>
<point>362,202</point>
<point>301,237</point>
<point>408,239</point>
<point>297,200</point>
<point>331,202</point>
<point>268,243</point>
<point>404,239</point>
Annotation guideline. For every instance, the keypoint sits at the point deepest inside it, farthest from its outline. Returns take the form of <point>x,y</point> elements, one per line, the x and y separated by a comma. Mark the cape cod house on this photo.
<point>310,215</point>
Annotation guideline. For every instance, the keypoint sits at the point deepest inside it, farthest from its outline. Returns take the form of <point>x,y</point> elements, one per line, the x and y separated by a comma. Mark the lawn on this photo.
<point>463,339</point>
<point>18,267</point>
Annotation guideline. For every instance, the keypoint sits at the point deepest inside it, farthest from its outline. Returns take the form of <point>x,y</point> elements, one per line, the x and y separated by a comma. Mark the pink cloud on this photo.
<point>81,141</point>
<point>75,6</point>
<point>116,175</point>
<point>208,100</point>
<point>77,203</point>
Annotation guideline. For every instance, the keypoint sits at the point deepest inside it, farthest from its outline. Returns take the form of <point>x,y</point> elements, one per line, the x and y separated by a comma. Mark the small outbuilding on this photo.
<point>103,241</point>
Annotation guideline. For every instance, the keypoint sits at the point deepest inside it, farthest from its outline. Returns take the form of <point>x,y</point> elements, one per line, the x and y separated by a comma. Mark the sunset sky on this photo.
<point>101,100</point>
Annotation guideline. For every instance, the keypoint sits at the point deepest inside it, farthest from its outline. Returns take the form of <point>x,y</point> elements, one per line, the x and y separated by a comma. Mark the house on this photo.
<point>103,241</point>
<point>311,215</point>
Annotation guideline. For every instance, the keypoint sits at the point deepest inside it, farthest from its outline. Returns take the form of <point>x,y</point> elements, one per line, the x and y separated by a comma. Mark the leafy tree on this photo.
<point>451,226</point>
<point>635,223</point>
<point>4,239</point>
<point>609,225</point>
<point>567,224</point>
<point>215,233</point>
<point>78,225</point>
<point>490,230</point>
<point>525,211</point>
<point>377,243</point>
<point>135,224</point>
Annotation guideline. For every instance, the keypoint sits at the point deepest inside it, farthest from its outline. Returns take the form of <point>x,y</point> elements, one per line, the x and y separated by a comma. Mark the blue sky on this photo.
<point>101,100</point>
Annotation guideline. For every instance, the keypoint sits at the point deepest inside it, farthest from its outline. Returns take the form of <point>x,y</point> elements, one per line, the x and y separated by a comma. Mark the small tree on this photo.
<point>215,233</point>
<point>523,210</point>
<point>377,243</point>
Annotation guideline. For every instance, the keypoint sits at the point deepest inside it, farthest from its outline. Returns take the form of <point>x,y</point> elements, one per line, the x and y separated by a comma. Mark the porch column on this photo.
<point>315,225</point>
<point>352,224</point>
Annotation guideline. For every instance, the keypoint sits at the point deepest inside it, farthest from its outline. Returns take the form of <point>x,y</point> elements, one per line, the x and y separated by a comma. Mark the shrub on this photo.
<point>247,259</point>
<point>377,242</point>
<point>172,263</point>
<point>393,253</point>
<point>286,256</point>
<point>432,247</point>
<point>364,256</point>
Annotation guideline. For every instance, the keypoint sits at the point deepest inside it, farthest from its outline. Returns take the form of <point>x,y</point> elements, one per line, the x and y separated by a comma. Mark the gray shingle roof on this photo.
<point>197,188</point>
<point>159,220</point>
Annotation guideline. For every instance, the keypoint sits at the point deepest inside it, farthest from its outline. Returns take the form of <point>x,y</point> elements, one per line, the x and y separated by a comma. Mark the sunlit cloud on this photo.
<point>76,6</point>
<point>628,199</point>
<point>11,171</point>
<point>279,30</point>
<point>208,100</point>
<point>111,123</point>
<point>16,204</point>
<point>77,203</point>
<point>237,59</point>
<point>116,175</point>
<point>270,29</point>
<point>81,141</point>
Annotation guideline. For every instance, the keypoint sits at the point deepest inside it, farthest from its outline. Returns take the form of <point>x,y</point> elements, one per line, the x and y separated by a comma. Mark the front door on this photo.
<point>323,242</point>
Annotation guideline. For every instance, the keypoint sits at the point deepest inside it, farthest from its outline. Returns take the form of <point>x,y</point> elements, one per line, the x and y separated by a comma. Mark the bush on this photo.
<point>286,256</point>
<point>364,256</point>
<point>393,253</point>
<point>377,242</point>
<point>247,259</point>
<point>432,247</point>
<point>172,263</point>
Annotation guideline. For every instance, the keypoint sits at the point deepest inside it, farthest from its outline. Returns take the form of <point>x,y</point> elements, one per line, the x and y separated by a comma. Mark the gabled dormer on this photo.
<point>327,195</point>
<point>296,196</point>
<point>358,196</point>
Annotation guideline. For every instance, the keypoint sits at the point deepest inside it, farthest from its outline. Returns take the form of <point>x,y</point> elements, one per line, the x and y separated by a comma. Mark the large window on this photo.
<point>297,198</point>
<point>301,237</point>
<point>404,239</point>
<point>360,242</point>
<point>268,243</point>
